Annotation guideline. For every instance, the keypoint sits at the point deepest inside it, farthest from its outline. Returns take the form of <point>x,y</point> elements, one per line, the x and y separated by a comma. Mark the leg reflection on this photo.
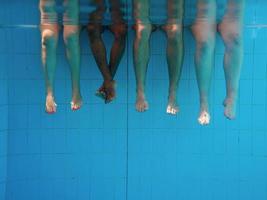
<point>141,50</point>
<point>231,31</point>
<point>175,51</point>
<point>204,30</point>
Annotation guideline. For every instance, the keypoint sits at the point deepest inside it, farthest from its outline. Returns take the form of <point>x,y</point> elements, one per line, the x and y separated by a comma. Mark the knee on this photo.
<point>119,31</point>
<point>49,38</point>
<point>231,35</point>
<point>71,36</point>
<point>174,31</point>
<point>94,30</point>
<point>205,37</point>
<point>143,31</point>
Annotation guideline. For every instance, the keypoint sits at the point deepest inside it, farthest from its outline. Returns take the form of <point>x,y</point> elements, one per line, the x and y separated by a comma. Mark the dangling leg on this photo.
<point>204,31</point>
<point>100,55</point>
<point>72,43</point>
<point>118,47</point>
<point>175,51</point>
<point>141,50</point>
<point>119,29</point>
<point>71,38</point>
<point>231,31</point>
<point>49,34</point>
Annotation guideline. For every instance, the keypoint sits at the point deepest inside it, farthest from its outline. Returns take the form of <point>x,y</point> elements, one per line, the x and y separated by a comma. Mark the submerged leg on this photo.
<point>72,44</point>
<point>107,90</point>
<point>175,51</point>
<point>118,47</point>
<point>141,50</point>
<point>204,30</point>
<point>95,30</point>
<point>231,31</point>
<point>49,48</point>
<point>49,35</point>
<point>119,29</point>
<point>71,38</point>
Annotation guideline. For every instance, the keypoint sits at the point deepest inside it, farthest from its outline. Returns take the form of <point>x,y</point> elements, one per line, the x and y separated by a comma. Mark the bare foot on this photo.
<point>230,108</point>
<point>76,103</point>
<point>110,91</point>
<point>50,105</point>
<point>172,107</point>
<point>204,118</point>
<point>141,104</point>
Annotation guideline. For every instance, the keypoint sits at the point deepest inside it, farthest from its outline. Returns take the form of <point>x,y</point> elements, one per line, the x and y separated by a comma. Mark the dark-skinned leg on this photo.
<point>175,51</point>
<point>118,46</point>
<point>143,29</point>
<point>100,55</point>
<point>119,30</point>
<point>204,30</point>
<point>231,31</point>
<point>95,30</point>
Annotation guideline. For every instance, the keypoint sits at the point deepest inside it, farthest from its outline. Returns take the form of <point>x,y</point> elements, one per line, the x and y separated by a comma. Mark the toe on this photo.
<point>50,110</point>
<point>137,107</point>
<point>75,106</point>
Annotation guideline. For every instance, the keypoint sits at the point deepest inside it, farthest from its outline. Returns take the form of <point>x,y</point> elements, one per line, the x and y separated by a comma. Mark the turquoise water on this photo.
<point>111,152</point>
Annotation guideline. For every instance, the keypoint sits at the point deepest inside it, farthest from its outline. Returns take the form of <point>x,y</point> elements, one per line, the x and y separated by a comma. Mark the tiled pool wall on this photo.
<point>111,152</point>
<point>3,123</point>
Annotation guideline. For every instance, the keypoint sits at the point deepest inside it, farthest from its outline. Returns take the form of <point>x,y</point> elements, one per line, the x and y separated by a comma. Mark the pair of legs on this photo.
<point>143,29</point>
<point>49,34</point>
<point>119,30</point>
<point>204,30</point>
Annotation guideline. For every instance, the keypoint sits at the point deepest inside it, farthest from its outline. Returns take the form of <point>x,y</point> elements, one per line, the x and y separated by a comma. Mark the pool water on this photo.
<point>111,152</point>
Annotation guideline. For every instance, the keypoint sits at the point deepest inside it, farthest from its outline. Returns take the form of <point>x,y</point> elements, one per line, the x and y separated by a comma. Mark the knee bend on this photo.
<point>49,38</point>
